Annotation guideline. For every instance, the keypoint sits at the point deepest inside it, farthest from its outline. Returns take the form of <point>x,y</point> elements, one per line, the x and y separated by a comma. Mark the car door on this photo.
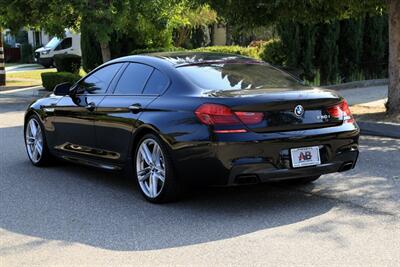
<point>136,88</point>
<point>75,114</point>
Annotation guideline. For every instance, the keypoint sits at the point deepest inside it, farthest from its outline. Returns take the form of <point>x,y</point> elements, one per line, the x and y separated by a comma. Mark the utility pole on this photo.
<point>2,61</point>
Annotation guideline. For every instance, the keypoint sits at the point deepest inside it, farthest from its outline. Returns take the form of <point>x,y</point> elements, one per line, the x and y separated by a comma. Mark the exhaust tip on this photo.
<point>346,166</point>
<point>246,179</point>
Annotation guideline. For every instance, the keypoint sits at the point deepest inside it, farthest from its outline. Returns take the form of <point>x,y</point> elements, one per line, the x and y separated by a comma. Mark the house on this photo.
<point>32,37</point>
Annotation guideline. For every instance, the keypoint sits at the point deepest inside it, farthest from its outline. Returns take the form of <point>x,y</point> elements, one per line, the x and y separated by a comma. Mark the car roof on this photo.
<point>184,58</point>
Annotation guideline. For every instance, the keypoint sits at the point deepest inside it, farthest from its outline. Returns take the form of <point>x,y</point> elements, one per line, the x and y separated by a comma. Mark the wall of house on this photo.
<point>219,34</point>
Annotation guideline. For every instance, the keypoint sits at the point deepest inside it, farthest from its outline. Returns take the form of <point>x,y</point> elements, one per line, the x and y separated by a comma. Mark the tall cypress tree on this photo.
<point>350,48</point>
<point>91,51</point>
<point>327,54</point>
<point>375,56</point>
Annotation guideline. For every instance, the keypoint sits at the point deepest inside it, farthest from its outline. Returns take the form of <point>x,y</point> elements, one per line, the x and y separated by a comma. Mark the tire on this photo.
<point>155,176</point>
<point>34,140</point>
<point>302,181</point>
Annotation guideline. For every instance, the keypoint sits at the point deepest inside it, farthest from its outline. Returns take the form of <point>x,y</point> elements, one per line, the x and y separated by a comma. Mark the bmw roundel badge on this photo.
<point>299,110</point>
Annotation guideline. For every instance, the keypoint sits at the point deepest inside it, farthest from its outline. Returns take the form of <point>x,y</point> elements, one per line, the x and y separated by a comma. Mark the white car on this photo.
<point>70,44</point>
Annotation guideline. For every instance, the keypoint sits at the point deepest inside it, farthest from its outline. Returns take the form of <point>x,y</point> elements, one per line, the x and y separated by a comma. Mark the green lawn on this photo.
<point>29,78</point>
<point>26,78</point>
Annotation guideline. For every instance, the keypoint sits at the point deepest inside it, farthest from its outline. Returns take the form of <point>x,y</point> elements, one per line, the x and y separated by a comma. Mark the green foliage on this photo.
<point>253,52</point>
<point>264,12</point>
<point>327,52</point>
<point>26,53</point>
<point>51,79</point>
<point>156,50</point>
<point>375,47</point>
<point>273,53</point>
<point>188,18</point>
<point>91,51</point>
<point>67,63</point>
<point>350,47</point>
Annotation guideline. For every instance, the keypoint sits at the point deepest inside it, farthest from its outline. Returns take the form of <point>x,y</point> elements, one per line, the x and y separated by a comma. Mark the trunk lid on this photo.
<point>283,109</point>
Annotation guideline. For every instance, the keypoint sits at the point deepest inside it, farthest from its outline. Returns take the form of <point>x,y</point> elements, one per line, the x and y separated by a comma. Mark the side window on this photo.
<point>65,43</point>
<point>98,82</point>
<point>133,79</point>
<point>156,84</point>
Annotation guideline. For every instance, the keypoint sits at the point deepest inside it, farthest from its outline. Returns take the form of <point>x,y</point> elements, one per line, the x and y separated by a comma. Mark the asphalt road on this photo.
<point>73,215</point>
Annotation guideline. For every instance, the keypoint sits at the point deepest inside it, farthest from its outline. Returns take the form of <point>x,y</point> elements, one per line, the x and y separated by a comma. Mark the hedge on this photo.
<point>253,52</point>
<point>67,63</point>
<point>51,79</point>
<point>156,50</point>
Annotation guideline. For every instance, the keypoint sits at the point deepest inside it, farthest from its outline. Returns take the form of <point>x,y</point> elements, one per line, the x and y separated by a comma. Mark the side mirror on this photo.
<point>62,89</point>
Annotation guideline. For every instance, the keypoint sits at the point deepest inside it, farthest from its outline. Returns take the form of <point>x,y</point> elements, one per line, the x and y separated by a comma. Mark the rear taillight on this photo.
<point>220,115</point>
<point>341,112</point>
<point>250,117</point>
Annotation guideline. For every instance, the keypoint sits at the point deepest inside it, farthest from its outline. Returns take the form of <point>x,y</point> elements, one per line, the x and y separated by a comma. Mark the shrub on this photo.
<point>67,63</point>
<point>51,79</point>
<point>253,52</point>
<point>156,50</point>
<point>273,53</point>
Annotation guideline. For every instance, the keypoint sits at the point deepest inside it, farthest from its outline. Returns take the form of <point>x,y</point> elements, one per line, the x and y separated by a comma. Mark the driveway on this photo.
<point>68,215</point>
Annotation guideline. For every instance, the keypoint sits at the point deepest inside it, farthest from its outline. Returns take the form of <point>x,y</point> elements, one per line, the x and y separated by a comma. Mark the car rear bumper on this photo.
<point>253,158</point>
<point>267,172</point>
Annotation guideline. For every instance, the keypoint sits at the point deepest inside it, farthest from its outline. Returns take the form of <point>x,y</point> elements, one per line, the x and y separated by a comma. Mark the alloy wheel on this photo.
<point>34,140</point>
<point>150,168</point>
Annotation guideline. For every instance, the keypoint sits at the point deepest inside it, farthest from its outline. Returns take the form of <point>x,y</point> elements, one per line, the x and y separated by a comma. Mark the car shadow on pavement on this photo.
<point>68,203</point>
<point>71,203</point>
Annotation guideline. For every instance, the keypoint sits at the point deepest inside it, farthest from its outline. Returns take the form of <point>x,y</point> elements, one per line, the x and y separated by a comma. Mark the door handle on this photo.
<point>135,108</point>
<point>91,106</point>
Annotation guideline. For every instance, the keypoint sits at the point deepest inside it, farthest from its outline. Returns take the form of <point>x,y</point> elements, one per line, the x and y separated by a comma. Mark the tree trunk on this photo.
<point>105,51</point>
<point>393,105</point>
<point>2,61</point>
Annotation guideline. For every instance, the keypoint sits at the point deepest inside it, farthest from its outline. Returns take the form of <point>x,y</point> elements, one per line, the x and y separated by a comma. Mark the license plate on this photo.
<point>305,156</point>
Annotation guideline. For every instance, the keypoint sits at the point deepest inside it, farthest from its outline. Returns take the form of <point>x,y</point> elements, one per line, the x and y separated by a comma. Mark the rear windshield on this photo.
<point>236,76</point>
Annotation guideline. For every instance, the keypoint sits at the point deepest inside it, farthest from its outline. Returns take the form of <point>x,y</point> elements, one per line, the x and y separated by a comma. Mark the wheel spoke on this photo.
<point>146,154</point>
<point>154,183</point>
<point>38,134</point>
<point>35,153</point>
<point>32,128</point>
<point>39,148</point>
<point>143,174</point>
<point>160,176</point>
<point>156,155</point>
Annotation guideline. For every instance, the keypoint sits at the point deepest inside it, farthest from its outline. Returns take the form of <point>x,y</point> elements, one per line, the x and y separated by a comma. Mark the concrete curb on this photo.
<point>391,130</point>
<point>358,84</point>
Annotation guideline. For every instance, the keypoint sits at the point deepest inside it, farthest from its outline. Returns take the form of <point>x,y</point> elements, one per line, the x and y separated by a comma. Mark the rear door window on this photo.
<point>133,79</point>
<point>157,83</point>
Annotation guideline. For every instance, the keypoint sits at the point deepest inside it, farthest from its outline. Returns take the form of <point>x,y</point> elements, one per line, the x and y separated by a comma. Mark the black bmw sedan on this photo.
<point>194,118</point>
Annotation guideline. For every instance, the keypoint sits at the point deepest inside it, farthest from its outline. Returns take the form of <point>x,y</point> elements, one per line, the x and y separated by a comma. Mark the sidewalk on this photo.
<point>23,67</point>
<point>28,92</point>
<point>365,95</point>
<point>373,98</point>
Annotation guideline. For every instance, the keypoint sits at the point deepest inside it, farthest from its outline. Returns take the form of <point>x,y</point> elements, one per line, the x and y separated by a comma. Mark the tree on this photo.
<point>147,21</point>
<point>262,12</point>
<point>190,17</point>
